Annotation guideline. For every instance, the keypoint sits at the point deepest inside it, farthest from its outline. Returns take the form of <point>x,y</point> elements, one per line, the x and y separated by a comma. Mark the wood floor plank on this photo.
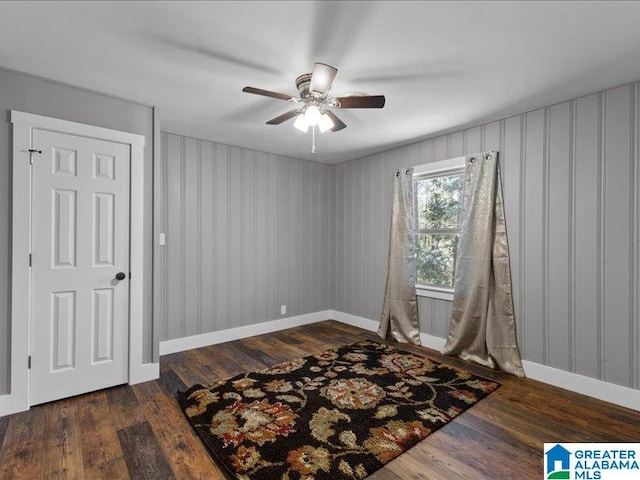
<point>170,382</point>
<point>62,452</point>
<point>268,358</point>
<point>124,407</point>
<point>143,454</point>
<point>102,455</point>
<point>184,451</point>
<point>21,455</point>
<point>140,432</point>
<point>4,425</point>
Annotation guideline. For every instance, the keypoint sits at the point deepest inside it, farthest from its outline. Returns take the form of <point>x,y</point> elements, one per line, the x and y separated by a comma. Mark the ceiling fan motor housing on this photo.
<point>302,83</point>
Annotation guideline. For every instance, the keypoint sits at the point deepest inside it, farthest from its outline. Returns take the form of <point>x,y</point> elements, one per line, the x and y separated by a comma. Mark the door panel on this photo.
<point>80,240</point>
<point>102,331</point>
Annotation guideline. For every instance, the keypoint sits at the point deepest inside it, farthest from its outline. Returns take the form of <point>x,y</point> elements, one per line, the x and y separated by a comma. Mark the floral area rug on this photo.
<point>341,414</point>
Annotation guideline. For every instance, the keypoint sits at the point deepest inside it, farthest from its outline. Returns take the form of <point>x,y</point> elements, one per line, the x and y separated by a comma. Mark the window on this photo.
<point>438,195</point>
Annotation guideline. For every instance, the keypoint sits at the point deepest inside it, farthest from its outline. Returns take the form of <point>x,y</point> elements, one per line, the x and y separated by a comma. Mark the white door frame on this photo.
<point>23,126</point>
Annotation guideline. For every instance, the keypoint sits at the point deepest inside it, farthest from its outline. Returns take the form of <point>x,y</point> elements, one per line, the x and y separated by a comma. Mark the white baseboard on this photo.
<point>221,336</point>
<point>609,392</point>
<point>429,341</point>
<point>145,373</point>
<point>354,320</point>
<point>5,405</point>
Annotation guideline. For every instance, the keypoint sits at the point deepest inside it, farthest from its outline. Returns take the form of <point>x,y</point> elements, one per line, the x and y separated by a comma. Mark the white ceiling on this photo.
<point>441,65</point>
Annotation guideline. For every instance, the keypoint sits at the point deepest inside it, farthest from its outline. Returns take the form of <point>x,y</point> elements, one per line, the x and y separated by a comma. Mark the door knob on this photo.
<point>120,276</point>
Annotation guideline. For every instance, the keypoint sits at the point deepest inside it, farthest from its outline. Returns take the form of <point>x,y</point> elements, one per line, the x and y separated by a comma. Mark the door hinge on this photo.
<point>29,362</point>
<point>129,275</point>
<point>30,260</point>
<point>31,152</point>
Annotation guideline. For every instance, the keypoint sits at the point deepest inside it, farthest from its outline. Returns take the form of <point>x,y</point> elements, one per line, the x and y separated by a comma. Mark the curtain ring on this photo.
<point>472,160</point>
<point>487,156</point>
<point>398,173</point>
<point>407,172</point>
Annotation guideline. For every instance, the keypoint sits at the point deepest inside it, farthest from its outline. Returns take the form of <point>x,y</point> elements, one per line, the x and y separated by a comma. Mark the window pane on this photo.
<point>438,201</point>
<point>435,258</point>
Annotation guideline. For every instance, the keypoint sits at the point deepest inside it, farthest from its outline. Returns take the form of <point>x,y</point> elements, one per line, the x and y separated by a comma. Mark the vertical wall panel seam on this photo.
<point>374,216</point>
<point>241,207</point>
<point>182,233</point>
<point>310,230</point>
<point>277,217</point>
<point>255,237</point>
<point>290,235</point>
<point>361,309</point>
<point>338,271</point>
<point>465,143</point>
<point>483,137</point>
<point>199,235</point>
<point>314,177</point>
<point>632,241</point>
<point>300,223</point>
<point>636,290</point>
<point>315,216</point>
<point>572,235</point>
<point>290,232</point>
<point>521,228</point>
<point>352,215</point>
<point>214,232</point>
<point>345,241</point>
<point>358,267</point>
<point>601,233</point>
<point>318,233</point>
<point>501,134</point>
<point>546,161</point>
<point>165,214</point>
<point>229,203</point>
<point>318,244</point>
<point>267,233</point>
<point>373,195</point>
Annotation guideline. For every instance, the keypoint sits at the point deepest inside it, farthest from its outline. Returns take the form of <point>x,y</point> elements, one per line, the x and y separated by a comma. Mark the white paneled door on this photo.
<point>80,265</point>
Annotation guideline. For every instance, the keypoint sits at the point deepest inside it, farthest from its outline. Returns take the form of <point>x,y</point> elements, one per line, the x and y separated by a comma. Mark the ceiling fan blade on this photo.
<point>284,117</point>
<point>322,78</point>
<point>370,101</point>
<point>268,93</point>
<point>337,123</point>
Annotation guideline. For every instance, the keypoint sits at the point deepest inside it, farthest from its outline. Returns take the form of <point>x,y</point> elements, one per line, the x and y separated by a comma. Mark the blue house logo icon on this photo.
<point>555,455</point>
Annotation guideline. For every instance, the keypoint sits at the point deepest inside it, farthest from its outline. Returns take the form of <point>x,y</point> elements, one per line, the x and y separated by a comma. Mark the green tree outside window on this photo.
<point>438,202</point>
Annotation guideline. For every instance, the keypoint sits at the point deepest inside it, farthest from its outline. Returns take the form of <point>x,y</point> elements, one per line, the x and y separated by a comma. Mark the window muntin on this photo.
<point>438,204</point>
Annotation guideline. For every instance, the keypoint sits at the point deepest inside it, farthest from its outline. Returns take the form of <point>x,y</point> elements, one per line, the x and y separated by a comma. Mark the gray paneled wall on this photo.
<point>246,232</point>
<point>571,185</point>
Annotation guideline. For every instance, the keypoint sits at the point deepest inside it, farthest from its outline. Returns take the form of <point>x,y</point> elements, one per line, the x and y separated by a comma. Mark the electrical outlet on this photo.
<point>283,310</point>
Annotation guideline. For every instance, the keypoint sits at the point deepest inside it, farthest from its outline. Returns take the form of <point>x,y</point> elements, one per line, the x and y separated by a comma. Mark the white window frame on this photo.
<point>443,167</point>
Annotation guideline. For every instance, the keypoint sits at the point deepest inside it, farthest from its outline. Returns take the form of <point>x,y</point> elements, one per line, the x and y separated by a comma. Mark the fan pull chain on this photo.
<point>313,139</point>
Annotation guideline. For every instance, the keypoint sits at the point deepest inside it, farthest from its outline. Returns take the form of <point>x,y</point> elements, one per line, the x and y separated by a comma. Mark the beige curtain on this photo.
<point>399,319</point>
<point>482,327</point>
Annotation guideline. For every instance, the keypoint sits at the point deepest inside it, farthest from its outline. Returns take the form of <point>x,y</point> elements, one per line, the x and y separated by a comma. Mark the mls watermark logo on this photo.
<point>592,461</point>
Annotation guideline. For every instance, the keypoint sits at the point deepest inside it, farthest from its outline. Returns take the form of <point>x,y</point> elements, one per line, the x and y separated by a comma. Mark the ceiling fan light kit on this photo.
<point>325,123</point>
<point>313,89</point>
<point>301,123</point>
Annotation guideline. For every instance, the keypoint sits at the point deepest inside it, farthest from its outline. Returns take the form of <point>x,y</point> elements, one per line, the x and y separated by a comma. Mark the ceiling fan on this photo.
<point>314,105</point>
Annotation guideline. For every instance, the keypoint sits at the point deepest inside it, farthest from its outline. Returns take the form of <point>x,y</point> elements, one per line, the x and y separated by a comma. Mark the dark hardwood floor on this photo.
<point>139,432</point>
